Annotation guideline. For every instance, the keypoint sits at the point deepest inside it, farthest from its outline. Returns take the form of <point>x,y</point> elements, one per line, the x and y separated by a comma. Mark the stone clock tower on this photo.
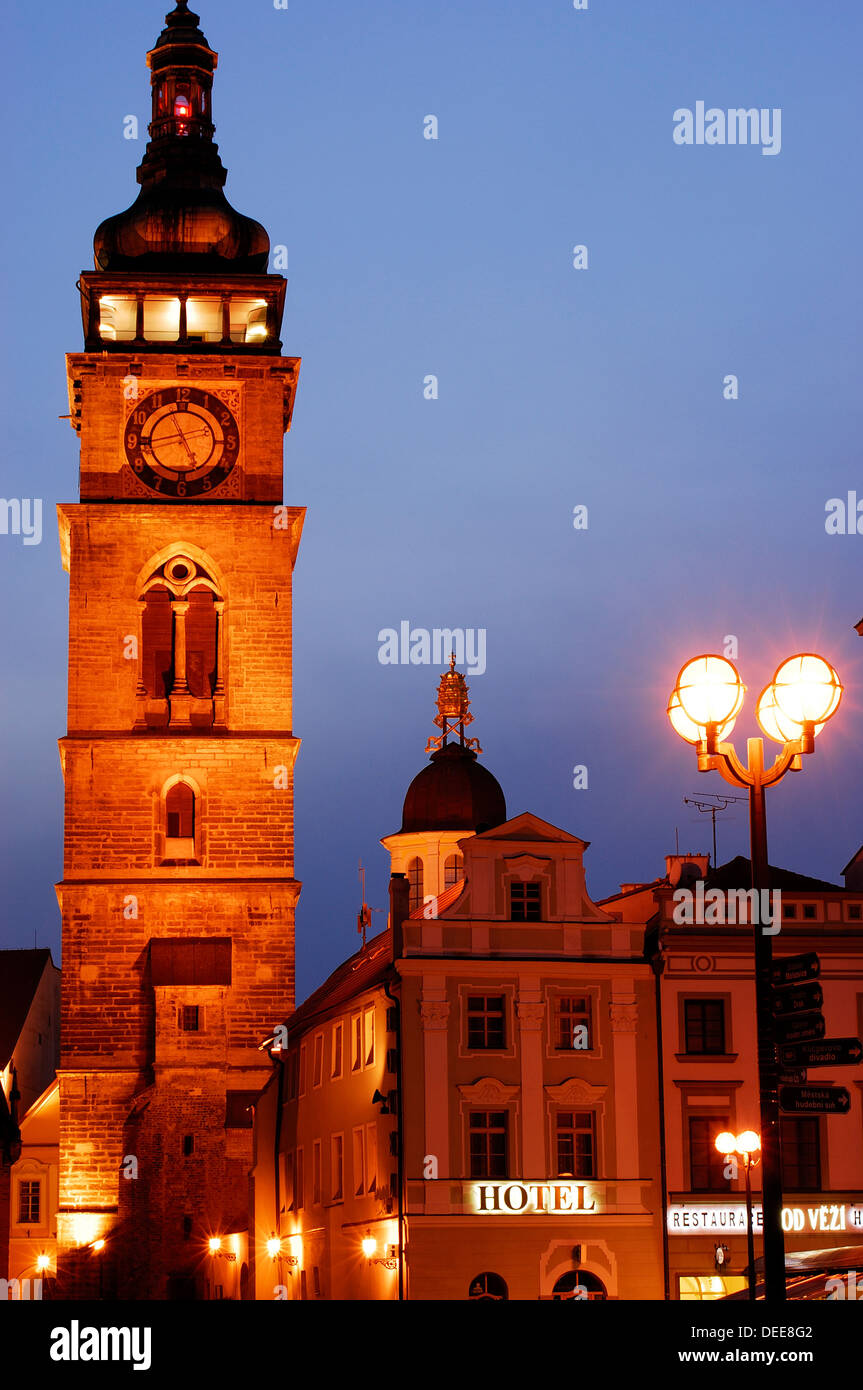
<point>178,889</point>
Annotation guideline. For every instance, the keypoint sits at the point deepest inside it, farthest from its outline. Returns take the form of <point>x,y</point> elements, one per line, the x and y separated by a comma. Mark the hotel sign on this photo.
<point>533,1197</point>
<point>688,1218</point>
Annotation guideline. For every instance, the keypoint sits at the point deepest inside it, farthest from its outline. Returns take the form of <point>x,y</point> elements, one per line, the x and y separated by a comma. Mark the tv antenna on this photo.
<point>709,805</point>
<point>364,916</point>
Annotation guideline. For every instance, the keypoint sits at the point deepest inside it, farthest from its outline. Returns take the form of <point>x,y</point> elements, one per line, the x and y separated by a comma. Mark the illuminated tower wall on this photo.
<point>178,890</point>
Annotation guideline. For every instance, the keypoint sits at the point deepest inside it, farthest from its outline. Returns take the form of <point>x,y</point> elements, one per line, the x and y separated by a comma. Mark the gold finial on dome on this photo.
<point>453,714</point>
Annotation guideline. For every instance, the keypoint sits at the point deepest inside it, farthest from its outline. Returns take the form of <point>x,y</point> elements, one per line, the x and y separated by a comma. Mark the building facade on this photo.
<point>178,889</point>
<point>468,1108</point>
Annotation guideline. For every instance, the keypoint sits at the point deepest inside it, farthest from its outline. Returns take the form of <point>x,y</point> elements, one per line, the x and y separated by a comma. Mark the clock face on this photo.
<point>182,441</point>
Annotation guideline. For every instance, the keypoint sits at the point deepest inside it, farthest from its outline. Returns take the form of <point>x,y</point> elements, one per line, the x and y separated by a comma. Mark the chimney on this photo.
<point>400,907</point>
<point>686,868</point>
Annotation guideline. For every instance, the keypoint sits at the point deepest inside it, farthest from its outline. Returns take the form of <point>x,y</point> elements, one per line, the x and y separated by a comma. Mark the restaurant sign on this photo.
<point>688,1218</point>
<point>532,1197</point>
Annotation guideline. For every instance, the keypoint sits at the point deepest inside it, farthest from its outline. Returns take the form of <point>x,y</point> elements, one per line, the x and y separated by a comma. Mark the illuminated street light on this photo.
<point>707,697</point>
<point>746,1147</point>
<point>370,1245</point>
<point>274,1247</point>
<point>215,1244</point>
<point>43,1262</point>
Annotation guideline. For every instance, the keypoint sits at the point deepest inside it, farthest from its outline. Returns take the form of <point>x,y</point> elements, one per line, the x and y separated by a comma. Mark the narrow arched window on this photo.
<point>415,879</point>
<point>453,870</point>
<point>180,812</point>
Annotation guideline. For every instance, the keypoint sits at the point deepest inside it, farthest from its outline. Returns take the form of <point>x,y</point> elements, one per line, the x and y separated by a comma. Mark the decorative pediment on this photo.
<point>524,864</point>
<point>575,1091</point>
<point>530,827</point>
<point>489,1089</point>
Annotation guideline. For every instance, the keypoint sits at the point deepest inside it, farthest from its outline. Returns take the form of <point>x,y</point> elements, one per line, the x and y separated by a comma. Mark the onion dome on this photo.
<point>455,792</point>
<point>181,219</point>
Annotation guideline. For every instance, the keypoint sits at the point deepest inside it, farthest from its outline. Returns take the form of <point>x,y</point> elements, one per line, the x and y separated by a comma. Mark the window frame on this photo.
<point>474,1112</point>
<point>337,1051</point>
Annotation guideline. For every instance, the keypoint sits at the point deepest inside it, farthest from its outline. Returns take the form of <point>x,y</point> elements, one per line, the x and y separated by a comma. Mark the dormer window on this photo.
<point>525,902</point>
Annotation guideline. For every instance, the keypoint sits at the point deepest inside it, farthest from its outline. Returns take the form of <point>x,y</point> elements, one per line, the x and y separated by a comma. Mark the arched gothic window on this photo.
<point>180,812</point>
<point>181,641</point>
<point>180,824</point>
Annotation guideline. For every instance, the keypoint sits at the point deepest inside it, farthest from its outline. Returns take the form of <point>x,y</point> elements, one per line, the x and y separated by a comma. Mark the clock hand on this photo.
<point>183,438</point>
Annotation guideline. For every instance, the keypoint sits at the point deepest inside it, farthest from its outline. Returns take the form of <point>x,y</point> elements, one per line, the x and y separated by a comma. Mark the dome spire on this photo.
<point>453,706</point>
<point>182,219</point>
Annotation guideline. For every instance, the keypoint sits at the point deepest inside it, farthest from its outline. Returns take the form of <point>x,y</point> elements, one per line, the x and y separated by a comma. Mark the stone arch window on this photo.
<point>180,647</point>
<point>453,870</point>
<point>488,1287</point>
<point>581,1284</point>
<point>415,879</point>
<point>180,822</point>
<point>180,812</point>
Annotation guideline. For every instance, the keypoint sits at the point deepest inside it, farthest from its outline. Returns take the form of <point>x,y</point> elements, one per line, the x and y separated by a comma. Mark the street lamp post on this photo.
<point>703,707</point>
<point>746,1147</point>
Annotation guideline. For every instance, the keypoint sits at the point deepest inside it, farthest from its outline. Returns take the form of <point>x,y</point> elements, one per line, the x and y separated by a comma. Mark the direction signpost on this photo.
<point>799,999</point>
<point>829,1052</point>
<point>795,970</point>
<point>815,1100</point>
<point>800,1029</point>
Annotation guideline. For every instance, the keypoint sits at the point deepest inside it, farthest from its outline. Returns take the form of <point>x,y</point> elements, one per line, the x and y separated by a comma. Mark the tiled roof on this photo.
<point>737,873</point>
<point>20,973</point>
<point>368,967</point>
<point>442,901</point>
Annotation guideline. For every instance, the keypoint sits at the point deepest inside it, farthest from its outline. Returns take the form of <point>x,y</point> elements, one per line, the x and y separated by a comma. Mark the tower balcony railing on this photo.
<point>200,313</point>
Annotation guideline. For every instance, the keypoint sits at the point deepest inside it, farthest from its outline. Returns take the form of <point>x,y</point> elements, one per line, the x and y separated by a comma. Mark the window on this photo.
<point>189,1018</point>
<point>316,1173</point>
<point>180,812</point>
<point>706,1166</point>
<point>288,1197</point>
<point>188,1145</point>
<point>486,1022</point>
<point>453,870</point>
<point>415,879</point>
<point>789,909</point>
<point>369,1035</point>
<point>187,1228</point>
<point>576,1144</point>
<point>301,1086</point>
<point>809,911</point>
<point>704,1025</point>
<point>356,1042</point>
<point>488,1134</point>
<point>855,911</point>
<point>338,1042</point>
<point>293,1074</point>
<point>359,1166</point>
<point>489,1287</point>
<point>372,1157</point>
<point>337,1166</point>
<point>318,1062</point>
<point>581,1284</point>
<point>525,904</point>
<point>240,1109</point>
<point>299,1182</point>
<point>801,1155</point>
<point>573,1023</point>
<point>29,1202</point>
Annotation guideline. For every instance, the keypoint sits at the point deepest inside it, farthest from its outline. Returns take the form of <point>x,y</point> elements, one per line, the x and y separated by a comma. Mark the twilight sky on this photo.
<point>557,387</point>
